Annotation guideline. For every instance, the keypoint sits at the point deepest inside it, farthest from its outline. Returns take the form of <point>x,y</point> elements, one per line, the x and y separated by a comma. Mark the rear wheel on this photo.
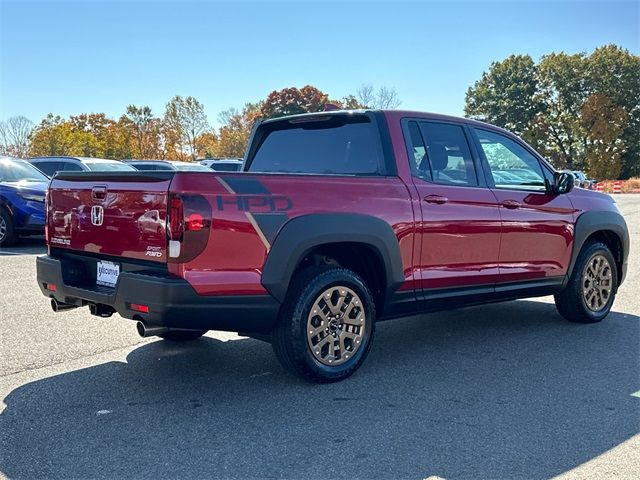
<point>7,232</point>
<point>182,335</point>
<point>592,287</point>
<point>326,324</point>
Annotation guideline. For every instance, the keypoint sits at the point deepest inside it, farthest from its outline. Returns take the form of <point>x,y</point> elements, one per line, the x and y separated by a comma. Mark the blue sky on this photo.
<point>74,57</point>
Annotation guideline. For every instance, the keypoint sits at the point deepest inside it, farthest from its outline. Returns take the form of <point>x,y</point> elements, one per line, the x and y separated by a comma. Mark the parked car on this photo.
<point>167,165</point>
<point>51,165</point>
<point>223,164</point>
<point>340,219</point>
<point>22,194</point>
<point>582,180</point>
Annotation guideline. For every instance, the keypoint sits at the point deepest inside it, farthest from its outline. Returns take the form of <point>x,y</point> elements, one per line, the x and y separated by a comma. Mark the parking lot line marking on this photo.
<point>637,394</point>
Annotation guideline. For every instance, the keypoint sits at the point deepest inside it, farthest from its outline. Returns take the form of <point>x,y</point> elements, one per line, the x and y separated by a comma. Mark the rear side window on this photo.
<point>48,168</point>
<point>449,157</point>
<point>346,146</point>
<point>418,153</point>
<point>71,167</point>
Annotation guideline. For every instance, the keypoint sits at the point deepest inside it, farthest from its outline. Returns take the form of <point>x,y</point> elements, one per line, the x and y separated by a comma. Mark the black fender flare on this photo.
<point>595,221</point>
<point>304,233</point>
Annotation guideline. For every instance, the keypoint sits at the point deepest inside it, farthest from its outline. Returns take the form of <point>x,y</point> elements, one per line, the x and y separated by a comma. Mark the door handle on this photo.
<point>511,204</point>
<point>437,199</point>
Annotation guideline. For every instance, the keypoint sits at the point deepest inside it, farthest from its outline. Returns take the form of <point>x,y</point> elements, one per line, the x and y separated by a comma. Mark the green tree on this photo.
<point>506,95</point>
<point>145,129</point>
<point>185,121</point>
<point>569,107</point>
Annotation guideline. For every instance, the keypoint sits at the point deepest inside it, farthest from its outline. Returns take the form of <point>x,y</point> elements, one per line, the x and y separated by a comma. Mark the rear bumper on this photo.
<point>172,302</point>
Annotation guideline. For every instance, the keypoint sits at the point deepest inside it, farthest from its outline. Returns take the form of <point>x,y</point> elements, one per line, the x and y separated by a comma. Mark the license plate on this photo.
<point>107,273</point>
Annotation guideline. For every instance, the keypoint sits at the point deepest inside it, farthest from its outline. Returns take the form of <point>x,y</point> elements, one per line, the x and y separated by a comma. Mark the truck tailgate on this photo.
<point>110,213</point>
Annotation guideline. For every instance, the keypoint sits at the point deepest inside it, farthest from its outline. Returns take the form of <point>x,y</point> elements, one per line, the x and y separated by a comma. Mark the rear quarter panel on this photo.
<point>250,209</point>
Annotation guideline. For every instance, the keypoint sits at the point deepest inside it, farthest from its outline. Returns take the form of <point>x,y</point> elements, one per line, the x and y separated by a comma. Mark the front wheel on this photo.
<point>326,325</point>
<point>7,232</point>
<point>589,294</point>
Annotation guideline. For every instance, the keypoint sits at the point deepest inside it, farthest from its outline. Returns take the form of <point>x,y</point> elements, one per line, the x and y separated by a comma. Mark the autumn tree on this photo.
<point>185,121</point>
<point>293,101</point>
<point>207,145</point>
<point>53,136</point>
<point>604,123</point>
<point>14,136</point>
<point>236,129</point>
<point>615,72</point>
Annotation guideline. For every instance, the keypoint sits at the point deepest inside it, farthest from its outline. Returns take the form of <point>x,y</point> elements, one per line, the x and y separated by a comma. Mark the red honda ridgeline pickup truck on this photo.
<point>339,219</point>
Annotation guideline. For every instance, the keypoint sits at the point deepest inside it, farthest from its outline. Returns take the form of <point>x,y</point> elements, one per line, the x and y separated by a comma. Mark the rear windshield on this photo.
<point>226,167</point>
<point>109,167</point>
<point>338,146</point>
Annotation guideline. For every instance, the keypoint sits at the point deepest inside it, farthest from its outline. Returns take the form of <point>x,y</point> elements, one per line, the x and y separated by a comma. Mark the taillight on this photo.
<point>195,222</point>
<point>46,217</point>
<point>189,225</point>
<point>176,218</point>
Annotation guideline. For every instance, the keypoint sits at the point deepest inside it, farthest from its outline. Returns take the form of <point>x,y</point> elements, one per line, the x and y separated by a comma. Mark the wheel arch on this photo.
<point>303,235</point>
<point>609,228</point>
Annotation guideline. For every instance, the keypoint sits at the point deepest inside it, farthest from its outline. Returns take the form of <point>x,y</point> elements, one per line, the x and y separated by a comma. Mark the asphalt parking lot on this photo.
<point>501,391</point>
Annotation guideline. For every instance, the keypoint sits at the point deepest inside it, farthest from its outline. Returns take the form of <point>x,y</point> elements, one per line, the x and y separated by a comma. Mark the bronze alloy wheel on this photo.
<point>336,325</point>
<point>597,283</point>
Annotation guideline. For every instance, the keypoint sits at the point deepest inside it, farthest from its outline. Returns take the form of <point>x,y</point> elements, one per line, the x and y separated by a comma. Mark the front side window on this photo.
<point>334,147</point>
<point>512,166</point>
<point>449,157</point>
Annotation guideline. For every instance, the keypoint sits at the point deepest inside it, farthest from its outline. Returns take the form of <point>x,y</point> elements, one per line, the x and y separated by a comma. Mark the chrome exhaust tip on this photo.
<point>57,306</point>
<point>149,330</point>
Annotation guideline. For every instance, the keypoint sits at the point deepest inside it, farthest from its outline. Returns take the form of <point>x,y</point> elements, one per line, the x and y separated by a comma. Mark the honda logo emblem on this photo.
<point>97,215</point>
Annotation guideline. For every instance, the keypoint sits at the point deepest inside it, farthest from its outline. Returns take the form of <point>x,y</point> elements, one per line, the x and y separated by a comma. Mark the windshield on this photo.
<point>15,171</point>
<point>109,167</point>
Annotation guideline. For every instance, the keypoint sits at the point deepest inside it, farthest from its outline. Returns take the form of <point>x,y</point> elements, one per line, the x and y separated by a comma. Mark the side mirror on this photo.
<point>563,182</point>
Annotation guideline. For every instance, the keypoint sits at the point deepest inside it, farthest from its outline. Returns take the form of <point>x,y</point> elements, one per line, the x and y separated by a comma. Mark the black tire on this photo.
<point>289,339</point>
<point>182,335</point>
<point>8,235</point>
<point>571,301</point>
